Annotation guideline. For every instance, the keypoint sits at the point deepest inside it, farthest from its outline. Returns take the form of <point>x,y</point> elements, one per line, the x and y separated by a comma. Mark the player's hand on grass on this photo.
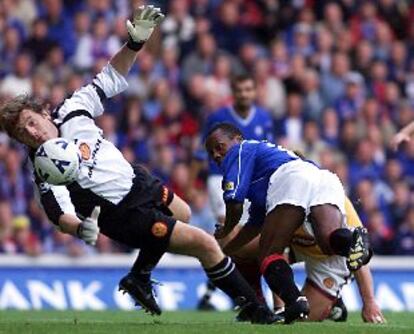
<point>145,19</point>
<point>398,139</point>
<point>88,229</point>
<point>372,313</point>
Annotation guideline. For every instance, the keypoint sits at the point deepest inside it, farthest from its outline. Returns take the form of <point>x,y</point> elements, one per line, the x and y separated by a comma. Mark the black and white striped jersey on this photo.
<point>105,176</point>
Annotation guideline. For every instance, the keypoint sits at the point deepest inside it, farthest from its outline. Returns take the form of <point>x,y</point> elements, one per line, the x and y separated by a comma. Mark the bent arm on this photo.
<point>370,310</point>
<point>408,129</point>
<point>245,235</point>
<point>69,224</point>
<point>234,211</point>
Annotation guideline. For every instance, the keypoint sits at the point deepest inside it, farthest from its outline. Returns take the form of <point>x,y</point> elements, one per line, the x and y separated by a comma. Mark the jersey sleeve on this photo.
<point>88,100</point>
<point>55,201</point>
<point>237,172</point>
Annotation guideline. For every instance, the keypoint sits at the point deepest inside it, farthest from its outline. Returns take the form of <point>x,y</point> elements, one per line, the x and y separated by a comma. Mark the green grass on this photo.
<point>46,322</point>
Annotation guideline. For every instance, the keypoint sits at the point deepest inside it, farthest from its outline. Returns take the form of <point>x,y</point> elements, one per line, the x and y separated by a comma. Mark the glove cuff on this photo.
<point>134,46</point>
<point>79,231</point>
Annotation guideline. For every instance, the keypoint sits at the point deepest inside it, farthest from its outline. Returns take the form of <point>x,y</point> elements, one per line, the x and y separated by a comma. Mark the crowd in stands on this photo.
<point>336,76</point>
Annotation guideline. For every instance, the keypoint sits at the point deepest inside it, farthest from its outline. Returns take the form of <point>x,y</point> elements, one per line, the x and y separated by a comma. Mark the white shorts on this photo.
<point>326,275</point>
<point>301,183</point>
<point>215,195</point>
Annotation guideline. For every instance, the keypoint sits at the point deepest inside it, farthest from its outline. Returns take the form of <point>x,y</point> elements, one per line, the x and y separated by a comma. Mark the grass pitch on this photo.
<point>113,322</point>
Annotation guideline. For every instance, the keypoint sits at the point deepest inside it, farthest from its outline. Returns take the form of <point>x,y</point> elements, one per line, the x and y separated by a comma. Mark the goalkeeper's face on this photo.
<point>33,128</point>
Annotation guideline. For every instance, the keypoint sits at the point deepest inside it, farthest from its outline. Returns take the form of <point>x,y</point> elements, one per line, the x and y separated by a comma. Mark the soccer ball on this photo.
<point>57,161</point>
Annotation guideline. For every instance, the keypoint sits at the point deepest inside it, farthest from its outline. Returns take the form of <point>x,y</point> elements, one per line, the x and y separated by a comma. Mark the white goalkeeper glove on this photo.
<point>88,229</point>
<point>145,19</point>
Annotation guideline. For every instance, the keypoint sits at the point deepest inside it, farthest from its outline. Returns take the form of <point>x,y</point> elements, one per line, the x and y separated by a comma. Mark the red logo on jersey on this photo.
<point>329,282</point>
<point>159,229</point>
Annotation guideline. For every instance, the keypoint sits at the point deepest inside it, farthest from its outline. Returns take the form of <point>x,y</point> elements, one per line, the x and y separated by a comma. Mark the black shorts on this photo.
<point>142,219</point>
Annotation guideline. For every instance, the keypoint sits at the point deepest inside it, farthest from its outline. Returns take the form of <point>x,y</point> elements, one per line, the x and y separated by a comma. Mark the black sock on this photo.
<point>279,276</point>
<point>226,277</point>
<point>340,241</point>
<point>144,264</point>
<point>209,291</point>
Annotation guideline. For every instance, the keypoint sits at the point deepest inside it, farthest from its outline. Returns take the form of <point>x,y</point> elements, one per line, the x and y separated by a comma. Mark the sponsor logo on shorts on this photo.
<point>329,282</point>
<point>85,151</point>
<point>159,229</point>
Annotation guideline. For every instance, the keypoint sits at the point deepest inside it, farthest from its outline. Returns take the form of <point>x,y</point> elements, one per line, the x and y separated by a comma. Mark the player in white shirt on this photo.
<point>110,196</point>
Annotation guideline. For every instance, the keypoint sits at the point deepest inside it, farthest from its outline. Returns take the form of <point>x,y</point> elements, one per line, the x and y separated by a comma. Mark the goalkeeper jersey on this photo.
<point>105,176</point>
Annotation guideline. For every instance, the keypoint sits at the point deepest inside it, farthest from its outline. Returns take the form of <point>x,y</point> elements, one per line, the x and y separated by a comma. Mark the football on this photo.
<point>57,161</point>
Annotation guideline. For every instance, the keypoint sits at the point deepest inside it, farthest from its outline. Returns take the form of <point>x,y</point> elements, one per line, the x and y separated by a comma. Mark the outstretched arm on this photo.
<point>145,19</point>
<point>370,310</point>
<point>88,101</point>
<point>403,135</point>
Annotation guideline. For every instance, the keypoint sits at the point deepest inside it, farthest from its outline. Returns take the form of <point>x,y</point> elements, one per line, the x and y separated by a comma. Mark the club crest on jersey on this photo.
<point>85,151</point>
<point>159,229</point>
<point>228,186</point>
<point>329,282</point>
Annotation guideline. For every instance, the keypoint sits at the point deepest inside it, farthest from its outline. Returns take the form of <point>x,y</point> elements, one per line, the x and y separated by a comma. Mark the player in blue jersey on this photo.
<point>255,123</point>
<point>284,189</point>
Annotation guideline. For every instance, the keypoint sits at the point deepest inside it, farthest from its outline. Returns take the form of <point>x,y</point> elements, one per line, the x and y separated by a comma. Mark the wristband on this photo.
<point>134,46</point>
<point>79,230</point>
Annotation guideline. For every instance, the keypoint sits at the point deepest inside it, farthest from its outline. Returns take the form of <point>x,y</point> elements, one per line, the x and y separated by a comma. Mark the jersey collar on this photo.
<point>243,121</point>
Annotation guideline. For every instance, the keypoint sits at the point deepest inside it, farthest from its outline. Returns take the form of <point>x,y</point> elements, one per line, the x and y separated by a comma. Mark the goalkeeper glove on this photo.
<point>88,229</point>
<point>145,19</point>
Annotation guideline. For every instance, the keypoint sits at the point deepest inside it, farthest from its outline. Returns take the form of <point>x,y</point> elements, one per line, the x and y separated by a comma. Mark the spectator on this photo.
<point>348,105</point>
<point>38,43</point>
<point>364,165</point>
<point>270,90</point>
<point>333,81</point>
<point>404,240</point>
<point>60,28</point>
<point>178,27</point>
<point>9,51</point>
<point>291,125</point>
<point>201,215</point>
<point>313,101</point>
<point>228,29</point>
<point>53,69</point>
<point>19,81</point>
<point>380,234</point>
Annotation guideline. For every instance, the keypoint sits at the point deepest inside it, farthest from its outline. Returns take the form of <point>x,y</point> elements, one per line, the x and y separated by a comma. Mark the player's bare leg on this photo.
<point>320,302</point>
<point>325,220</point>
<point>278,229</point>
<point>189,240</point>
<point>180,209</point>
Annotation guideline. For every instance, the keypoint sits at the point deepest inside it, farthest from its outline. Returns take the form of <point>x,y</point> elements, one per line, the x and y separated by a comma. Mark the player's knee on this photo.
<point>186,213</point>
<point>340,241</point>
<point>180,209</point>
<point>209,250</point>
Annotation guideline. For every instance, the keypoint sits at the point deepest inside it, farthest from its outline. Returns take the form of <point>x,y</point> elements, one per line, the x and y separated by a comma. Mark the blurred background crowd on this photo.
<point>336,76</point>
